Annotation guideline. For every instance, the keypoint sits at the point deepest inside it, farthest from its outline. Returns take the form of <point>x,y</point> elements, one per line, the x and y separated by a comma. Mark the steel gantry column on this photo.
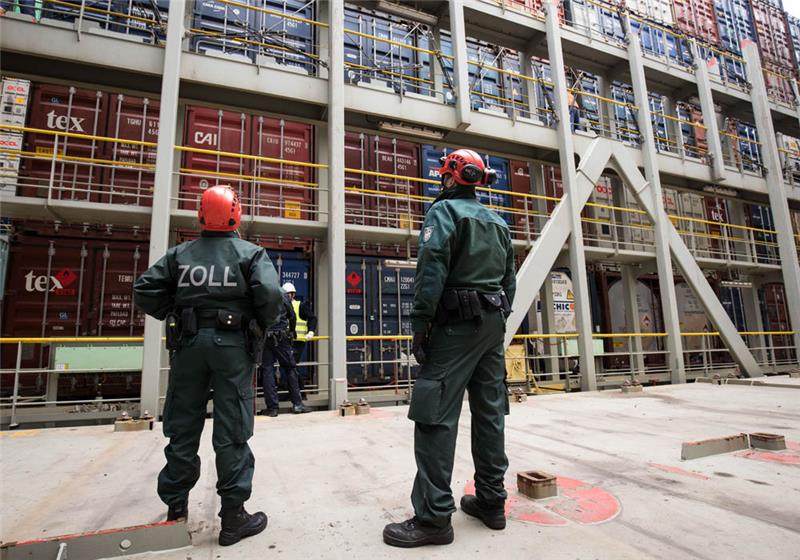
<point>566,151</point>
<point>458,36</point>
<point>337,348</point>
<point>709,114</point>
<point>776,188</point>
<point>631,295</point>
<point>669,304</point>
<point>162,199</point>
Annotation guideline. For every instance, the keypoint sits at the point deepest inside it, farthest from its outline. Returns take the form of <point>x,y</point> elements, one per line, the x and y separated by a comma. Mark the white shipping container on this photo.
<point>655,10</point>
<point>9,163</point>
<point>14,101</point>
<point>789,150</point>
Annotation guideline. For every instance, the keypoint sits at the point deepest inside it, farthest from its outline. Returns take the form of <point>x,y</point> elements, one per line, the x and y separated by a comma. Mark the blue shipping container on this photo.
<point>295,268</point>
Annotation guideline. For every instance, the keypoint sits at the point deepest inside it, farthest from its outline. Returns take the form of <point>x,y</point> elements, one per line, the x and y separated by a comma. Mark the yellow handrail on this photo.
<point>102,11</point>
<point>76,135</point>
<point>274,12</point>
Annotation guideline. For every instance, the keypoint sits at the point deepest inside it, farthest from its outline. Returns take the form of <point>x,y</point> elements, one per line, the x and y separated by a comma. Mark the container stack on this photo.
<point>13,110</point>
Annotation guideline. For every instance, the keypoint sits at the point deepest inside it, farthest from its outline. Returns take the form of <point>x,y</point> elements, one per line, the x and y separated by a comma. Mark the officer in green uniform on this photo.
<point>465,284</point>
<point>217,293</point>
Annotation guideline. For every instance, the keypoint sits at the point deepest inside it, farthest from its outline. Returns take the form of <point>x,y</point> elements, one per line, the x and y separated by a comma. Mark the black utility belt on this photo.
<point>468,305</point>
<point>221,319</point>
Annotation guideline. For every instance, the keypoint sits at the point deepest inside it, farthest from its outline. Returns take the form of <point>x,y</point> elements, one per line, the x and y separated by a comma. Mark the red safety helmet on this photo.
<point>467,168</point>
<point>220,209</point>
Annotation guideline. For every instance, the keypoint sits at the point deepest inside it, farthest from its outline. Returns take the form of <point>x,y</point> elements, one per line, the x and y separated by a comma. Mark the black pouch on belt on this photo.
<point>448,309</point>
<point>188,322</point>
<point>229,320</point>
<point>173,331</point>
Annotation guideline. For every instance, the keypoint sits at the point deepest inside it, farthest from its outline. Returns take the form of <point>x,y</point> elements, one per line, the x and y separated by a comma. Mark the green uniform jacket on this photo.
<point>217,271</point>
<point>462,245</point>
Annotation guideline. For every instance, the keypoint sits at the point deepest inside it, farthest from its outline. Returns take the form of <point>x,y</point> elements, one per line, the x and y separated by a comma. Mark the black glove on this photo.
<point>418,344</point>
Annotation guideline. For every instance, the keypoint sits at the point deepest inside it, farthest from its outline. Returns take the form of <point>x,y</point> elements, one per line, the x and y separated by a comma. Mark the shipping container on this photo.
<point>775,317</point>
<point>14,101</point>
<point>662,42</point>
<point>648,303</point>
<point>287,41</point>
<point>735,23</point>
<point>379,295</point>
<point>488,196</point>
<point>60,108</point>
<point>374,52</point>
<point>778,82</point>
<point>226,29</point>
<point>526,225</point>
<point>71,282</point>
<point>597,18</point>
<point>282,189</point>
<point>692,319</point>
<point>693,130</point>
<point>742,140</point>
<point>772,34</point>
<point>9,162</point>
<point>697,18</point>
<point>131,118</point>
<point>789,152</point>
<point>387,200</point>
<point>793,26</point>
<point>765,244</point>
<point>656,10</point>
<point>217,130</point>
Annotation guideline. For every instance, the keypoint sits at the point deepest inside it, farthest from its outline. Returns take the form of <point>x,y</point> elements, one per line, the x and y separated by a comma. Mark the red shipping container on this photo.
<point>290,191</point>
<point>776,312</point>
<point>772,35</point>
<point>525,221</point>
<point>697,18</point>
<point>534,7</point>
<point>219,131</point>
<point>65,109</point>
<point>396,209</point>
<point>553,187</point>
<point>131,118</point>
<point>778,83</point>
<point>359,205</point>
<point>717,211</point>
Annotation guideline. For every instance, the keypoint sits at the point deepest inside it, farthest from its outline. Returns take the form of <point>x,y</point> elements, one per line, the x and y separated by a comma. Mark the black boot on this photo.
<point>177,511</point>
<point>492,517</point>
<point>272,412</point>
<point>237,524</point>
<point>413,532</point>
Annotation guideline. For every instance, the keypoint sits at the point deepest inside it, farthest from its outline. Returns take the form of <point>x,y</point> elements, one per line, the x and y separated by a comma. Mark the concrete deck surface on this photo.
<point>329,484</point>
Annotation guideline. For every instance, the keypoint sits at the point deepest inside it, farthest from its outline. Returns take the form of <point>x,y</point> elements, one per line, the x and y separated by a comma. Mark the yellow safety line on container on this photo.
<point>389,41</point>
<point>389,72</point>
<point>101,11</point>
<point>742,139</point>
<point>249,156</point>
<point>680,120</point>
<point>253,178</point>
<point>208,33</point>
<point>64,158</point>
<point>482,65</point>
<point>273,12</point>
<point>76,135</point>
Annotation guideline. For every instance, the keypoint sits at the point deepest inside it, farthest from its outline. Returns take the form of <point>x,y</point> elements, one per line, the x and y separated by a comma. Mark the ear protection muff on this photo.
<point>471,173</point>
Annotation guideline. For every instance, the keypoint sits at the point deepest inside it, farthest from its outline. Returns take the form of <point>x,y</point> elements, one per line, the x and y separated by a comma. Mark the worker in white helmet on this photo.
<point>305,326</point>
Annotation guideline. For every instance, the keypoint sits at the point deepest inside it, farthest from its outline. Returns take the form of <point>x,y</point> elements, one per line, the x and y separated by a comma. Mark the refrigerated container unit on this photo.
<point>130,118</point>
<point>9,162</point>
<point>265,188</point>
<point>693,133</point>
<point>372,53</point>
<point>772,34</point>
<point>734,22</point>
<point>14,101</point>
<point>61,108</point>
<point>383,201</point>
<point>697,18</point>
<point>72,283</point>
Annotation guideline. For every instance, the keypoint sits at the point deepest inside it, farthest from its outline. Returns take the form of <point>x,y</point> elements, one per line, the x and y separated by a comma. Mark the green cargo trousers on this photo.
<point>216,360</point>
<point>466,355</point>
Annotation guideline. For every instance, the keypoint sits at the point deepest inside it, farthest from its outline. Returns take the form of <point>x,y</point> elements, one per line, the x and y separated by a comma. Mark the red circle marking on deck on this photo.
<point>577,502</point>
